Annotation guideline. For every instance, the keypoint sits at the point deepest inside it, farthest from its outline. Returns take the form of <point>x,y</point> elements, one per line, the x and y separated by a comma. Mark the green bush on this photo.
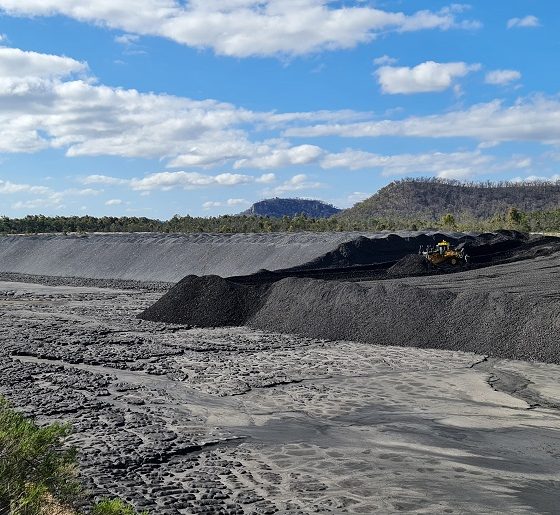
<point>38,473</point>
<point>34,466</point>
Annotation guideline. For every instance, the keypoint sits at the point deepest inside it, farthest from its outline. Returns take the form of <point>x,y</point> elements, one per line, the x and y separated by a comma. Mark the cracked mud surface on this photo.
<point>235,420</point>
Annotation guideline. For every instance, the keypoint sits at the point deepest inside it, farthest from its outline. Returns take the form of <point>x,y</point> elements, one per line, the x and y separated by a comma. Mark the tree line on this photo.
<point>512,218</point>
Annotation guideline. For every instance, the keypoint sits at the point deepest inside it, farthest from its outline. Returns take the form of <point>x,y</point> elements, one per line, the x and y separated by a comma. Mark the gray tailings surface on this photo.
<point>507,305</point>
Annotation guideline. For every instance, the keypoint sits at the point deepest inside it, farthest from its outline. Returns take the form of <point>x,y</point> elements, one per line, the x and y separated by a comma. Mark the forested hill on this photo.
<point>279,207</point>
<point>431,199</point>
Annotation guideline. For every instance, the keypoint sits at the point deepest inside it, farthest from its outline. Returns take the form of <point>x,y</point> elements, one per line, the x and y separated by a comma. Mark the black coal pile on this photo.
<point>502,246</point>
<point>365,305</point>
<point>392,313</point>
<point>507,246</point>
<point>207,301</point>
<point>365,251</point>
<point>412,265</point>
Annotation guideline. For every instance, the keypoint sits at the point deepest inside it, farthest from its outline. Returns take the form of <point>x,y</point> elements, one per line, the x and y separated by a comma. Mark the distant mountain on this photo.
<point>430,199</point>
<point>279,207</point>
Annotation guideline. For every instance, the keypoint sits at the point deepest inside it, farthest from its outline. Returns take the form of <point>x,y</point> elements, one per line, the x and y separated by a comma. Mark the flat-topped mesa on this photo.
<point>280,207</point>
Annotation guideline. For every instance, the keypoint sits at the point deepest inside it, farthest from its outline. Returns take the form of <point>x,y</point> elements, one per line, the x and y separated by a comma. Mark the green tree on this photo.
<point>448,220</point>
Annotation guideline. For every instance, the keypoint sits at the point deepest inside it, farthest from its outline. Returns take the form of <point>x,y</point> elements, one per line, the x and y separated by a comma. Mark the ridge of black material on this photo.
<point>326,302</point>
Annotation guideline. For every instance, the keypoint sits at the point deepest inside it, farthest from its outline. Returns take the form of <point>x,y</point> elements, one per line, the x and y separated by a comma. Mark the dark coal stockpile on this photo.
<point>365,251</point>
<point>510,311</point>
<point>207,301</point>
<point>412,265</point>
<point>495,323</point>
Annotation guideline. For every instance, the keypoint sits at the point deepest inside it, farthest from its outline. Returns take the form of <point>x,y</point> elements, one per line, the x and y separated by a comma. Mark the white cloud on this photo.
<point>232,202</point>
<point>114,202</point>
<point>102,179</point>
<point>266,178</point>
<point>187,180</point>
<point>502,77</point>
<point>16,63</point>
<point>44,108</point>
<point>423,78</point>
<point>538,178</point>
<point>296,183</point>
<point>244,28</point>
<point>356,196</point>
<point>127,39</point>
<point>384,60</point>
<point>37,203</point>
<point>166,181</point>
<point>9,188</point>
<point>300,155</point>
<point>432,163</point>
<point>531,119</point>
<point>49,198</point>
<point>527,21</point>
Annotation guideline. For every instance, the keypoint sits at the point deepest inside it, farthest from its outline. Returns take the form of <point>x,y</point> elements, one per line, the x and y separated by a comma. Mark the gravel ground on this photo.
<point>236,420</point>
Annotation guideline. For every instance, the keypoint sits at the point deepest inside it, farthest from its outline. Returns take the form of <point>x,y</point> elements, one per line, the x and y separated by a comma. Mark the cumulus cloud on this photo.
<point>232,202</point>
<point>114,202</point>
<point>300,155</point>
<point>296,183</point>
<point>244,28</point>
<point>531,119</point>
<point>16,63</point>
<point>423,78</point>
<point>527,21</point>
<point>9,188</point>
<point>384,60</point>
<point>44,105</point>
<point>166,181</point>
<point>49,198</point>
<point>502,77</point>
<point>407,164</point>
<point>266,178</point>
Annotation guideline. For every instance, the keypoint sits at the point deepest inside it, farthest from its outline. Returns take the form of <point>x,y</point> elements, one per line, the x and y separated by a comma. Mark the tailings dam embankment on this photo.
<point>160,257</point>
<point>505,305</point>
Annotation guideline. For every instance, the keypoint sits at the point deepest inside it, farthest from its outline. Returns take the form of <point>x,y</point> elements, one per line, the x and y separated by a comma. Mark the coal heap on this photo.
<point>391,313</point>
<point>412,265</point>
<point>364,251</point>
<point>366,305</point>
<point>207,301</point>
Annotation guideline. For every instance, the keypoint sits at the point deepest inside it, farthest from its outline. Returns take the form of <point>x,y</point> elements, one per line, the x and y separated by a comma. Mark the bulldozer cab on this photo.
<point>443,247</point>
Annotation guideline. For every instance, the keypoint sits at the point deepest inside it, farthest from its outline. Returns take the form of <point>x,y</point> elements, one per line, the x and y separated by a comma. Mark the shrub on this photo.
<point>35,468</point>
<point>38,473</point>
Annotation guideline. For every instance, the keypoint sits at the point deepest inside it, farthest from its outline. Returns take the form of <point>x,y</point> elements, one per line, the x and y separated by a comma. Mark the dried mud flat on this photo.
<point>235,420</point>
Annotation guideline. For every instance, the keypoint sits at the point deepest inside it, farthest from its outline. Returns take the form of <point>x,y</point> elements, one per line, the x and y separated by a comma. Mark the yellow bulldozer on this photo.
<point>443,254</point>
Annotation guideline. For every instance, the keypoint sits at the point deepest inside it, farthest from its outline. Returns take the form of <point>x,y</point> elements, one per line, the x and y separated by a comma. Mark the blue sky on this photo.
<point>202,107</point>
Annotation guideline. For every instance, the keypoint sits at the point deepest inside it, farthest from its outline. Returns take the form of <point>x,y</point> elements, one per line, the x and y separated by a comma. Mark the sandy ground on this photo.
<point>235,420</point>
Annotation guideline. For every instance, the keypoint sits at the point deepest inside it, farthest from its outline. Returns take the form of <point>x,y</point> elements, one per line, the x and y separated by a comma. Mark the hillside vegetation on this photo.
<point>415,204</point>
<point>279,207</point>
<point>431,199</point>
